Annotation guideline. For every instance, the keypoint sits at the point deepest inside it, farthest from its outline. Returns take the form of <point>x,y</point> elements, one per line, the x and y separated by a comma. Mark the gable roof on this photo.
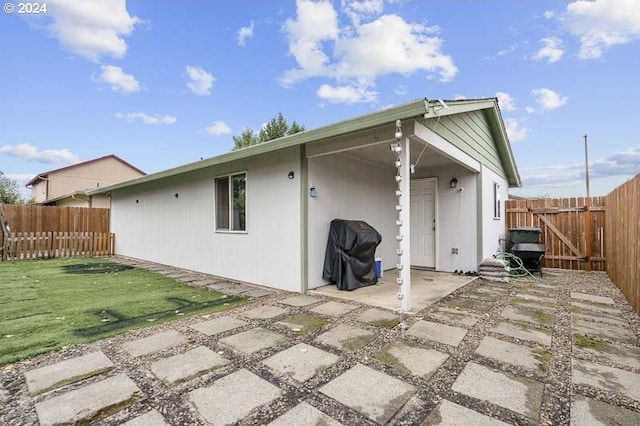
<point>42,176</point>
<point>420,108</point>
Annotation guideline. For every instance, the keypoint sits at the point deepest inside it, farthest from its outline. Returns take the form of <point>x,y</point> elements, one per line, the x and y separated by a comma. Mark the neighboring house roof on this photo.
<point>420,108</point>
<point>42,176</point>
<point>80,194</point>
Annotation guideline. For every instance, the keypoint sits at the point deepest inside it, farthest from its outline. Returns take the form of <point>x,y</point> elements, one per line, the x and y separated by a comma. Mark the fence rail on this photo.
<point>46,245</point>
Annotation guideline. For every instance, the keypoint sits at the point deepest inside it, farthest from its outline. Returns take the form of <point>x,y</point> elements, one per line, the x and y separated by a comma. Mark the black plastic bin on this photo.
<point>349,260</point>
<point>524,235</point>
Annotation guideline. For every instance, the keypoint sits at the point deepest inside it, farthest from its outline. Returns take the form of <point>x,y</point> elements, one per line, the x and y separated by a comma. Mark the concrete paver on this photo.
<point>437,332</point>
<point>474,305</point>
<point>592,298</point>
<point>218,325</point>
<point>232,397</point>
<point>579,306</point>
<point>182,367</point>
<point>522,332</point>
<point>376,316</point>
<point>606,331</point>
<point>602,317</point>
<point>419,361</point>
<point>150,418</point>
<point>257,293</point>
<point>304,414</point>
<point>334,309</point>
<point>521,395</point>
<point>154,343</point>
<point>83,404</point>
<point>466,318</point>
<point>587,411</point>
<point>264,312</point>
<point>370,392</point>
<point>450,413</point>
<point>254,340</point>
<point>528,316</point>
<point>300,301</point>
<point>616,352</point>
<point>513,354</point>
<point>301,362</point>
<point>347,337</point>
<point>482,295</point>
<point>67,371</point>
<point>606,378</point>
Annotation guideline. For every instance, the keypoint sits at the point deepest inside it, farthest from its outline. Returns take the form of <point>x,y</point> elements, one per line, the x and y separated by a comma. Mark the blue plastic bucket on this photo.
<point>379,267</point>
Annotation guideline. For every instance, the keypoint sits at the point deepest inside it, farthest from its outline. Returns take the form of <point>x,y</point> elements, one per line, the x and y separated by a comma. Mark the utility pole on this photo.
<point>588,233</point>
<point>586,164</point>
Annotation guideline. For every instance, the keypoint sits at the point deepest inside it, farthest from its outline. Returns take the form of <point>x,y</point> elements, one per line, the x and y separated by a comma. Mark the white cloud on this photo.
<point>346,94</point>
<point>29,152</point>
<point>502,52</point>
<point>91,28</point>
<point>218,128</point>
<point>548,14</point>
<point>118,80</point>
<point>601,24</point>
<point>515,130</point>
<point>146,118</point>
<point>506,101</point>
<point>355,56</point>
<point>548,99</point>
<point>551,51</point>
<point>245,33</point>
<point>530,109</point>
<point>200,81</point>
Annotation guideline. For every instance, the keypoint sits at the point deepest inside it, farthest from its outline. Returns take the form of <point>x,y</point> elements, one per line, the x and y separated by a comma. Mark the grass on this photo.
<point>48,304</point>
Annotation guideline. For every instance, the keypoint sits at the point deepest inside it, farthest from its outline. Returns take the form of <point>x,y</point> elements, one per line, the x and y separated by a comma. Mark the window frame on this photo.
<point>229,177</point>
<point>497,207</point>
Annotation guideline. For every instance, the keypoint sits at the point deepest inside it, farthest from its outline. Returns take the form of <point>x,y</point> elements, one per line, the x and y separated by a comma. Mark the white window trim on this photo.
<point>230,206</point>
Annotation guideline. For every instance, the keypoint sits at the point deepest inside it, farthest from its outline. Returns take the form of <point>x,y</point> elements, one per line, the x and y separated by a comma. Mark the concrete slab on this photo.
<point>257,293</point>
<point>379,317</point>
<point>370,392</point>
<point>334,309</point>
<point>606,378</point>
<point>603,317</point>
<point>155,343</point>
<point>232,397</point>
<point>593,298</point>
<point>218,325</point>
<point>578,307</point>
<point>532,304</point>
<point>483,287</point>
<point>150,418</point>
<point>264,312</point>
<point>301,362</point>
<point>518,394</point>
<point>469,304</point>
<point>220,286</point>
<point>182,367</point>
<point>67,371</point>
<point>253,340</point>
<point>419,361</point>
<point>483,295</point>
<point>302,323</point>
<point>466,318</point>
<point>521,356</point>
<point>236,289</point>
<point>437,332</point>
<point>304,414</point>
<point>606,331</point>
<point>528,316</point>
<point>347,337</point>
<point>523,332</point>
<point>587,411</point>
<point>300,301</point>
<point>535,297</point>
<point>617,353</point>
<point>84,404</point>
<point>450,413</point>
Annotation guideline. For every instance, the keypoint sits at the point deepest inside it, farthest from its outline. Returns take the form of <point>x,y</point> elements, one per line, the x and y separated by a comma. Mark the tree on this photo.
<point>274,129</point>
<point>9,191</point>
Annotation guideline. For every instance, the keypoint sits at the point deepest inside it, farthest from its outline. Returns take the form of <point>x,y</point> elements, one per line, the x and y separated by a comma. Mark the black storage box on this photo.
<point>349,261</point>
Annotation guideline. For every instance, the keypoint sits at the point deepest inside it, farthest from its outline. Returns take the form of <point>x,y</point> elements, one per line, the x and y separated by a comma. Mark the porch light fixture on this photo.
<point>453,183</point>
<point>291,175</point>
<point>313,192</point>
<point>176,195</point>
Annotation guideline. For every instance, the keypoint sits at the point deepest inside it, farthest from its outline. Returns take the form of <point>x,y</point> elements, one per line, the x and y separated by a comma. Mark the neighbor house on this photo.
<point>68,186</point>
<point>262,214</point>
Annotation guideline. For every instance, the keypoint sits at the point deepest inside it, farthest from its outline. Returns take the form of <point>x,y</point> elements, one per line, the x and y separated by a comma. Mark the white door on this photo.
<point>423,222</point>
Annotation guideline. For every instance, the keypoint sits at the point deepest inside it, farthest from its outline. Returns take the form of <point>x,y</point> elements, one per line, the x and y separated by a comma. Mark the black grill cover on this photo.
<point>349,261</point>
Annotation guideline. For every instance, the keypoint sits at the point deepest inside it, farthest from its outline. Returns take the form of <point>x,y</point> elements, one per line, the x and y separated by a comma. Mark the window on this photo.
<point>231,202</point>
<point>496,201</point>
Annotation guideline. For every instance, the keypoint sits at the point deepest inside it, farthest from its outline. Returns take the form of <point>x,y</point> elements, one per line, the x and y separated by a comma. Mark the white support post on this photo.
<point>405,225</point>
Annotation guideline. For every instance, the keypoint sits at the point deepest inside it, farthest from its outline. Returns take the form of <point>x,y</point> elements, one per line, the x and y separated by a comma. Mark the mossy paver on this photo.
<point>264,312</point>
<point>601,317</point>
<point>593,307</point>
<point>521,303</point>
<point>528,297</point>
<point>185,366</point>
<point>450,413</point>
<point>606,331</point>
<point>303,323</point>
<point>370,392</point>
<point>232,397</point>
<point>253,340</point>
<point>419,361</point>
<point>482,295</point>
<point>527,315</point>
<point>155,343</point>
<point>304,414</point>
<point>606,378</point>
<point>347,337</point>
<point>150,418</point>
<point>437,332</point>
<point>523,332</point>
<point>67,371</point>
<point>469,304</point>
<point>300,301</point>
<point>513,354</point>
<point>379,317</point>
<point>593,298</point>
<point>218,325</point>
<point>587,411</point>
<point>301,362</point>
<point>334,309</point>
<point>466,318</point>
<point>616,353</point>
<point>518,394</point>
<point>84,404</point>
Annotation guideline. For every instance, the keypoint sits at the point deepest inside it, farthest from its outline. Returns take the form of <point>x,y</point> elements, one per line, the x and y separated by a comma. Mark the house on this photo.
<point>68,186</point>
<point>262,214</point>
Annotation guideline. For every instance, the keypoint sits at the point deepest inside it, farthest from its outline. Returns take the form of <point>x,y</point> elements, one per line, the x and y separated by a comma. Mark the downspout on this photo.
<point>479,217</point>
<point>304,220</point>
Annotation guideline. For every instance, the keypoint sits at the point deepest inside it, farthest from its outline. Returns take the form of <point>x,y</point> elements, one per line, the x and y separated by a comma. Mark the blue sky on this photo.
<point>164,83</point>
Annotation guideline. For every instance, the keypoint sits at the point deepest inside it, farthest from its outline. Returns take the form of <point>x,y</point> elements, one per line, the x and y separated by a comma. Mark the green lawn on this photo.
<point>47,304</point>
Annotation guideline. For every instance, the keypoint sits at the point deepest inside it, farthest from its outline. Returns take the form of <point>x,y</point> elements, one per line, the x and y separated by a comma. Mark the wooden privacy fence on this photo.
<point>30,218</point>
<point>573,229</point>
<point>46,245</point>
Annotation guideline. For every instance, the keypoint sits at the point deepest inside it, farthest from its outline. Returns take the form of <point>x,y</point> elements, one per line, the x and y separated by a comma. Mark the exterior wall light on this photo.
<point>453,183</point>
<point>291,175</point>
<point>313,192</point>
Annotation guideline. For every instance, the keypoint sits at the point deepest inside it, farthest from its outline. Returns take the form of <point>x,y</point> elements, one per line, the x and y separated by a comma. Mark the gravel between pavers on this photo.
<point>170,402</point>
